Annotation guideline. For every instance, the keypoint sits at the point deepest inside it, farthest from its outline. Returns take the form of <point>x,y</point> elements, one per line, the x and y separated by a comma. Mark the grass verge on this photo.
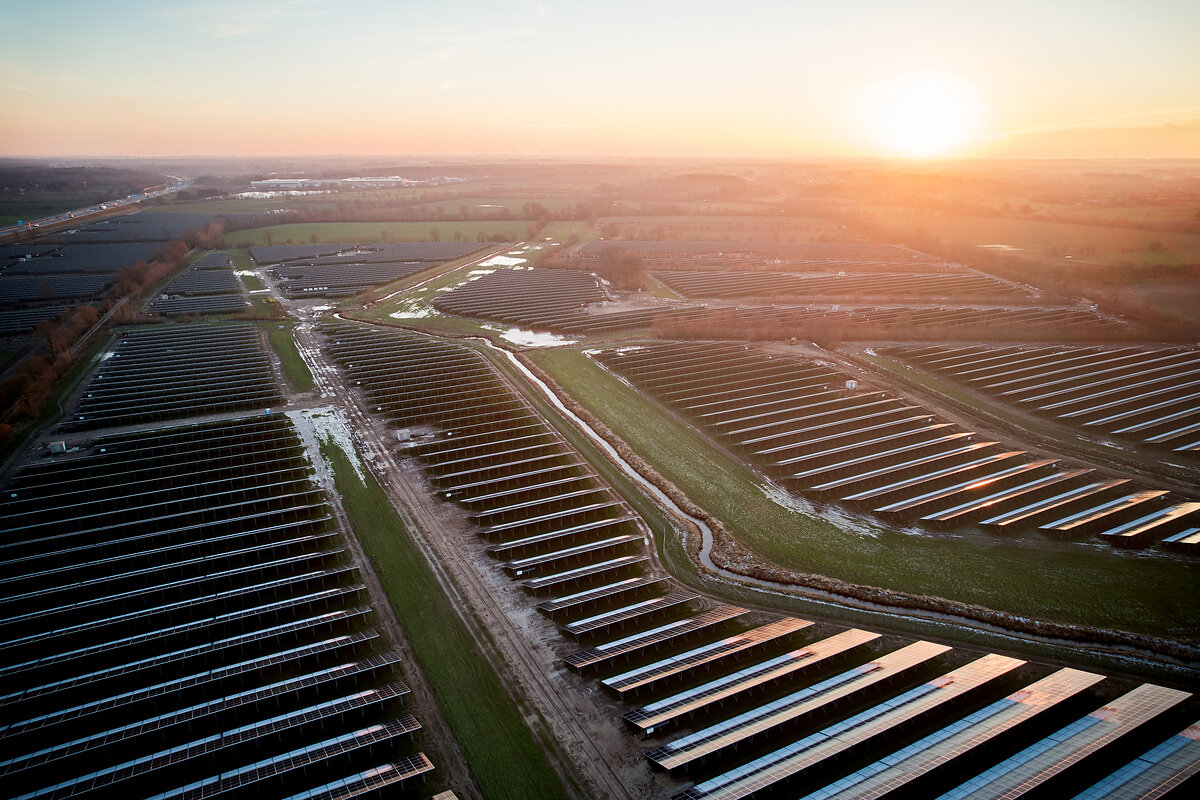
<point>1075,583</point>
<point>295,371</point>
<point>498,746</point>
<point>252,283</point>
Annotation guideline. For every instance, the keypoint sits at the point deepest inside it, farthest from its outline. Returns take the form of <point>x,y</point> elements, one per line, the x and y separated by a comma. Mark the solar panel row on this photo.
<point>170,371</point>
<point>564,300</point>
<point>1146,395</point>
<point>179,619</point>
<point>833,440</point>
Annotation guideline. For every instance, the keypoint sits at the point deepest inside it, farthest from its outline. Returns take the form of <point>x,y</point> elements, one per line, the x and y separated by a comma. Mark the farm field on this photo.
<point>355,232</point>
<point>718,227</point>
<point>1039,580</point>
<point>1178,213</point>
<point>1037,238</point>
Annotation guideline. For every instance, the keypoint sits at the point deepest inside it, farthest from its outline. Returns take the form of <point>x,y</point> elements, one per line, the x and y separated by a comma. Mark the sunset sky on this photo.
<point>778,79</point>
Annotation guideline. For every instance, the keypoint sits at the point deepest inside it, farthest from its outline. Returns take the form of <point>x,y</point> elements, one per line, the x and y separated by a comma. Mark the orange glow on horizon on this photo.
<point>922,115</point>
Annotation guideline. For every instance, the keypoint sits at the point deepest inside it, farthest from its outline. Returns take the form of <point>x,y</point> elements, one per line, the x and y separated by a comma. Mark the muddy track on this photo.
<point>566,711</point>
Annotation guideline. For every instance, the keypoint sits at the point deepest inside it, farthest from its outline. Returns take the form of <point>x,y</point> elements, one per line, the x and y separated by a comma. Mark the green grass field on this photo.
<point>485,204</point>
<point>1147,594</point>
<point>352,232</point>
<point>295,371</point>
<point>487,723</point>
<point>252,282</point>
<point>241,258</point>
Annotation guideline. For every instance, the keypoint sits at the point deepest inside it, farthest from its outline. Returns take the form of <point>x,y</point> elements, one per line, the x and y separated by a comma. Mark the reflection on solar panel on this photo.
<point>941,747</point>
<point>1153,774</point>
<point>635,644</point>
<point>371,781</point>
<point>705,655</point>
<point>1045,759</point>
<point>654,716</point>
<point>625,615</point>
<point>856,730</point>
<point>755,722</point>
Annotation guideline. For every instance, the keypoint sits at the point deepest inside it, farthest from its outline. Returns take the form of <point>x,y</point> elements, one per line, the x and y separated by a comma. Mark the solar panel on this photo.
<point>1048,757</point>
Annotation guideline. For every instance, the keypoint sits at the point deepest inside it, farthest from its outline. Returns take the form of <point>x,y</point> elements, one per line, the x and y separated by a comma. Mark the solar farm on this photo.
<point>182,616</point>
<point>202,559</point>
<point>812,427</point>
<point>573,303</point>
<point>36,280</point>
<point>725,701</point>
<point>892,286</point>
<point>1140,395</point>
<point>208,287</point>
<point>177,371</point>
<point>324,271</point>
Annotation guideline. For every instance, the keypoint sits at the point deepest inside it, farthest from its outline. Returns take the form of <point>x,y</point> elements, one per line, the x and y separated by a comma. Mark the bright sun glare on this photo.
<point>924,115</point>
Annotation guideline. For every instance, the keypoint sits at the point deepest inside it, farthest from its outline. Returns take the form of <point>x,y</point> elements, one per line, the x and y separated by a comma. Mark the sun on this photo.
<point>922,115</point>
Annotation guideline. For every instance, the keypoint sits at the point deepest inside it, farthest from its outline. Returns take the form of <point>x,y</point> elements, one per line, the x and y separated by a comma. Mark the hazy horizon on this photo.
<point>695,80</point>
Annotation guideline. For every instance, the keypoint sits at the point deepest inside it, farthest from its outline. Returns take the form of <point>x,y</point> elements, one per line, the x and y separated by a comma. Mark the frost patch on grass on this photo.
<point>328,424</point>
<point>413,308</point>
<point>532,339</point>
<point>502,261</point>
<point>419,313</point>
<point>798,505</point>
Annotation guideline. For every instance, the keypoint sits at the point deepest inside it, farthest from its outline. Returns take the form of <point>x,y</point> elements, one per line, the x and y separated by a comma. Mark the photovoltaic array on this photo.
<point>736,703</point>
<point>171,371</point>
<point>870,449</point>
<point>182,619</point>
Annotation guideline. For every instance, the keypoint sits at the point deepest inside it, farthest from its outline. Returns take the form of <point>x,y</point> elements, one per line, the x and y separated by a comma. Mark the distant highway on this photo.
<point>177,184</point>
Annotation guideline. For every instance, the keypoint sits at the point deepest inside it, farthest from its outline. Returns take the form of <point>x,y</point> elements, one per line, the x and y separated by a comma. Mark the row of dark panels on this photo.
<point>181,619</point>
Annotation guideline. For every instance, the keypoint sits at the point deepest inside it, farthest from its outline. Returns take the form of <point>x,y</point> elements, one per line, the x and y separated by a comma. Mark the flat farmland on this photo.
<point>354,232</point>
<point>1098,243</point>
<point>248,205</point>
<point>732,228</point>
<point>1144,593</point>
<point>492,204</point>
<point>1180,213</point>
